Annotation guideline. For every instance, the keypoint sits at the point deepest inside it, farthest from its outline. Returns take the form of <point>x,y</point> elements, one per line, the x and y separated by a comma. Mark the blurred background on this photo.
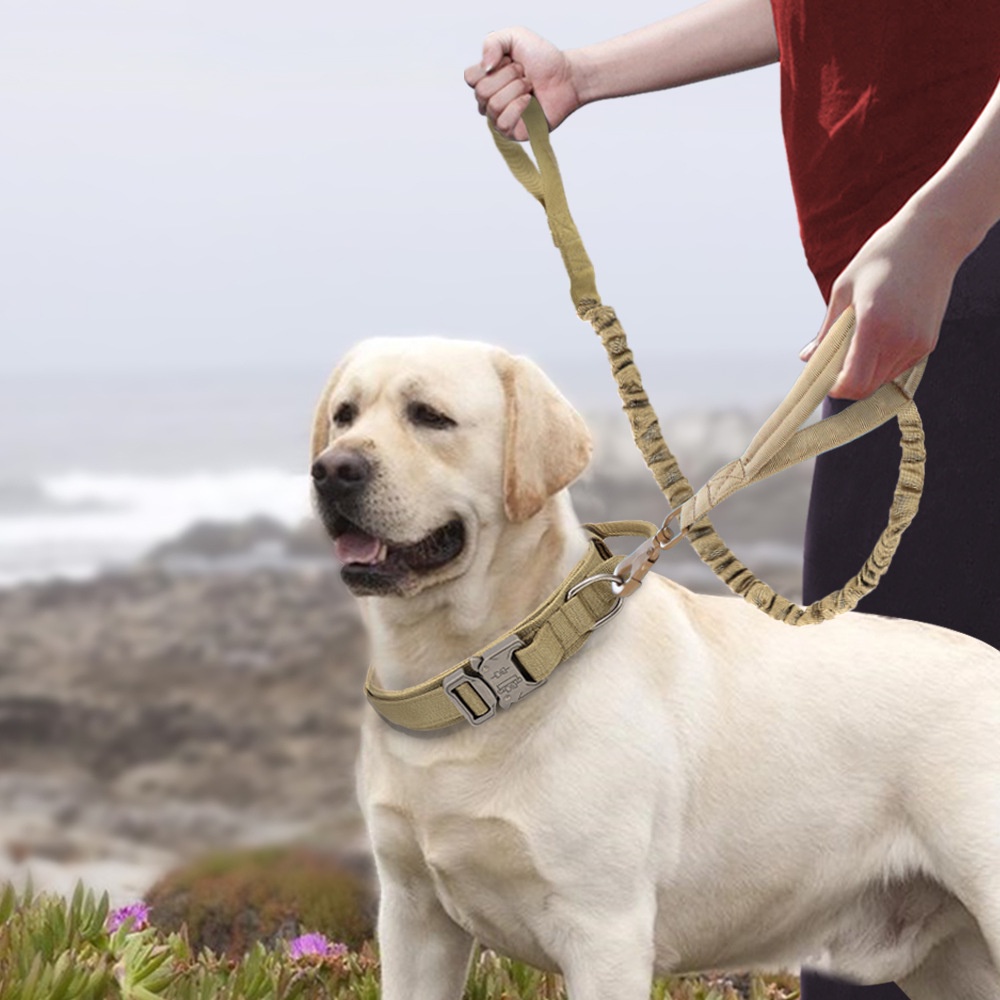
<point>202,206</point>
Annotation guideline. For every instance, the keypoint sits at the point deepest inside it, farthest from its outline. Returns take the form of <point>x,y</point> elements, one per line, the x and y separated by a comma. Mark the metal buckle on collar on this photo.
<point>495,676</point>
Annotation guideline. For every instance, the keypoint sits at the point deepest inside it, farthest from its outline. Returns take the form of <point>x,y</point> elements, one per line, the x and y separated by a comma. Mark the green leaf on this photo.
<point>32,979</point>
<point>8,903</point>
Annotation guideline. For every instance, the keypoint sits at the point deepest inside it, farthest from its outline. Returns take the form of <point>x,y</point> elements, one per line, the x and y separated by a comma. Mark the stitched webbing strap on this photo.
<point>554,632</point>
<point>777,445</point>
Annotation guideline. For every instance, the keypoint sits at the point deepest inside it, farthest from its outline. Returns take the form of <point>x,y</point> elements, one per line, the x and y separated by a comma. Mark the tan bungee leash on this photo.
<point>521,660</point>
<point>778,444</point>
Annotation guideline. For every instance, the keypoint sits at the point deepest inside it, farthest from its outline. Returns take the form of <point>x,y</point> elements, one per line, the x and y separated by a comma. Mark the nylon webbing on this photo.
<point>551,634</point>
<point>778,444</point>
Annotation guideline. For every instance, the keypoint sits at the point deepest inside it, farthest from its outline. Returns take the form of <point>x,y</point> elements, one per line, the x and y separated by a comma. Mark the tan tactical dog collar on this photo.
<point>515,664</point>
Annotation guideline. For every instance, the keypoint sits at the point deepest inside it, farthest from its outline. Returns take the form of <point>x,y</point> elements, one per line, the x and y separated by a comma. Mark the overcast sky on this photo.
<point>220,182</point>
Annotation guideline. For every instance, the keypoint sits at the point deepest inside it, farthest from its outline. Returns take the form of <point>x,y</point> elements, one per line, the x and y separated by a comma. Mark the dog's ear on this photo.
<point>547,443</point>
<point>321,418</point>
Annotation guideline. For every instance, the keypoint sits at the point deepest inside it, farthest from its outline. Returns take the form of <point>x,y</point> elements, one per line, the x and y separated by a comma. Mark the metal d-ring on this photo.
<point>599,578</point>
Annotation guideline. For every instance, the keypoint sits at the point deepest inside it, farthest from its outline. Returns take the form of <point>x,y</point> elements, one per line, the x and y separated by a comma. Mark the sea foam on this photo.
<point>82,522</point>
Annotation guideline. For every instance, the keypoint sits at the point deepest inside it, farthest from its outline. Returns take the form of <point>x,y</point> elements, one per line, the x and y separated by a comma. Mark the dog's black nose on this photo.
<point>341,472</point>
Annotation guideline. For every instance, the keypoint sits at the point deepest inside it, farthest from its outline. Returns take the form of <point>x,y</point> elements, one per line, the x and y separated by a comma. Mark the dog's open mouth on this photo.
<point>374,565</point>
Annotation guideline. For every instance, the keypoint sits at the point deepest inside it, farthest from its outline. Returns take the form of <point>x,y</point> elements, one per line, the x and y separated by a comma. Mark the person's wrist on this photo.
<point>584,76</point>
<point>953,226</point>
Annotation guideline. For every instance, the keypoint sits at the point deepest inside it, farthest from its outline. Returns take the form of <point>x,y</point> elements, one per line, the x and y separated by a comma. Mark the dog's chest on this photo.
<point>441,827</point>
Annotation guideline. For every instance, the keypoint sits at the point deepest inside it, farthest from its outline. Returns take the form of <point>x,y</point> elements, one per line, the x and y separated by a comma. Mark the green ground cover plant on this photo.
<point>78,949</point>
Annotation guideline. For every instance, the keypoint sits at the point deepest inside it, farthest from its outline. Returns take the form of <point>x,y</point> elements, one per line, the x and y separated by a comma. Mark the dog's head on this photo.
<point>420,446</point>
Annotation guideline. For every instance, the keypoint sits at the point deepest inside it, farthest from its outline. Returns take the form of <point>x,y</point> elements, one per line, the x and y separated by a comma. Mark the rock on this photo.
<point>227,547</point>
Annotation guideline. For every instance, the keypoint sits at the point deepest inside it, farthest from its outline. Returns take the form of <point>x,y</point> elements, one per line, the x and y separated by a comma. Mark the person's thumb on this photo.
<point>496,45</point>
<point>839,301</point>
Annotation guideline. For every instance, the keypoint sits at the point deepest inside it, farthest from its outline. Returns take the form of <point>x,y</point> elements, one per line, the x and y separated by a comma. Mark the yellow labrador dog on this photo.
<point>699,788</point>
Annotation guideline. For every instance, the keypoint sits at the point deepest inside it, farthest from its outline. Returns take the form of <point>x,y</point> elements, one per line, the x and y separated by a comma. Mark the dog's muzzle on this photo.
<point>374,564</point>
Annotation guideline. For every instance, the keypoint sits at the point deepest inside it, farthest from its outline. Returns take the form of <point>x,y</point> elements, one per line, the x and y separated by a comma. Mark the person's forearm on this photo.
<point>715,39</point>
<point>900,280</point>
<point>963,197</point>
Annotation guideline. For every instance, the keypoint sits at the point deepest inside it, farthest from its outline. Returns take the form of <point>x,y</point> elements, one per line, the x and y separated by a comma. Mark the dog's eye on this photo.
<point>426,416</point>
<point>345,414</point>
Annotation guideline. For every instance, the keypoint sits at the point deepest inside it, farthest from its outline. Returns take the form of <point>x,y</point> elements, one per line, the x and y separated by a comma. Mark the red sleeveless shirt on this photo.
<point>875,96</point>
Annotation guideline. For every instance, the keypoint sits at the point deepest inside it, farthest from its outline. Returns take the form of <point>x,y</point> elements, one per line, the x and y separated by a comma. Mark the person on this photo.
<point>891,118</point>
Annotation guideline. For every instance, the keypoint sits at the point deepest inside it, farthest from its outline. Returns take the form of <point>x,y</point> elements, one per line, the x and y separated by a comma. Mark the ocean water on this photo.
<point>76,524</point>
<point>97,469</point>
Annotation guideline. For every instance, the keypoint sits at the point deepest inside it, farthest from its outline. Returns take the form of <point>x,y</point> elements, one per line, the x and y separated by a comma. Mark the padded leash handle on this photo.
<point>781,442</point>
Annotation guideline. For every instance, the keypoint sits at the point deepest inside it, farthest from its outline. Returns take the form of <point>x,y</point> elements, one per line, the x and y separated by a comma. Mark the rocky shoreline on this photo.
<point>150,715</point>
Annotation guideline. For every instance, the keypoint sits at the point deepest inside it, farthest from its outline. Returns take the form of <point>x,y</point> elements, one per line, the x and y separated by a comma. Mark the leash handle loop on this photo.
<point>781,442</point>
<point>544,183</point>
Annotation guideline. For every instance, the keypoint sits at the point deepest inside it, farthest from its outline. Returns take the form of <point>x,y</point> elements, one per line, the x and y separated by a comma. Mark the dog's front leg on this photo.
<point>608,976</point>
<point>613,960</point>
<point>424,953</point>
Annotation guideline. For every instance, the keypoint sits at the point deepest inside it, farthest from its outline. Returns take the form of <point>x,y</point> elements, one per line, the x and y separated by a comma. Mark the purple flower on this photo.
<point>315,945</point>
<point>135,914</point>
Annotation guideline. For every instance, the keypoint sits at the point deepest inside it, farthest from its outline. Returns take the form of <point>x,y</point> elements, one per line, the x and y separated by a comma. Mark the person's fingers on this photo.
<point>859,376</point>
<point>509,122</point>
<point>475,76</point>
<point>872,370</point>
<point>489,86</point>
<point>504,97</point>
<point>886,343</point>
<point>878,353</point>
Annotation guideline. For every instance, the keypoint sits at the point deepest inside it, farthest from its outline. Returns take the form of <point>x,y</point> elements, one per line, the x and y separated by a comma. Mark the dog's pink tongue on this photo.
<point>357,547</point>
